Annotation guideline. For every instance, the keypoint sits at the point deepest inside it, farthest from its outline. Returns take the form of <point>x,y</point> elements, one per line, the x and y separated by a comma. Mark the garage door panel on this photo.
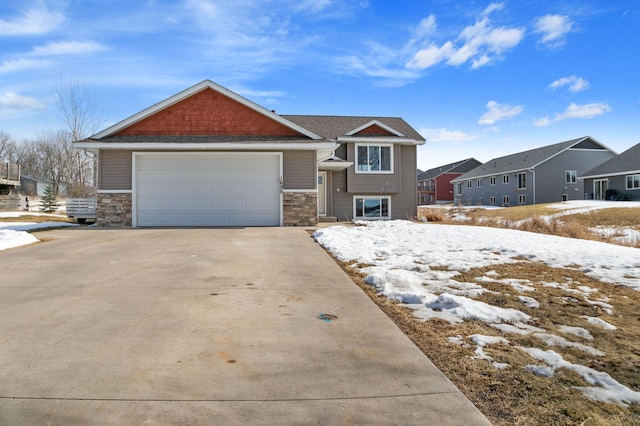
<point>208,190</point>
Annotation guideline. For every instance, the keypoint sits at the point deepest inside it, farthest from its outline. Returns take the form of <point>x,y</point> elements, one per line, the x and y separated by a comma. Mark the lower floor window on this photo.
<point>633,181</point>
<point>505,200</point>
<point>492,201</point>
<point>479,201</point>
<point>522,199</point>
<point>371,207</point>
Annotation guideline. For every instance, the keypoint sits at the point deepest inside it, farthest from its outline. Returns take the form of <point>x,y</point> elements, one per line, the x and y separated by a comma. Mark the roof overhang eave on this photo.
<point>239,146</point>
<point>379,139</point>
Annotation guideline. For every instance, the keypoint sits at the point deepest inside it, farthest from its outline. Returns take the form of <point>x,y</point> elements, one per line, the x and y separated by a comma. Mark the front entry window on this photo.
<point>371,207</point>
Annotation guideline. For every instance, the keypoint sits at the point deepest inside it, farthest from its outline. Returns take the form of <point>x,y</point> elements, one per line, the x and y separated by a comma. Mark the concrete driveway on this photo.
<point>203,326</point>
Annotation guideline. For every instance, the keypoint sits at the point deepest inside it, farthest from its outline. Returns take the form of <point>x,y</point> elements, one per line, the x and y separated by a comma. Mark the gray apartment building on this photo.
<point>541,175</point>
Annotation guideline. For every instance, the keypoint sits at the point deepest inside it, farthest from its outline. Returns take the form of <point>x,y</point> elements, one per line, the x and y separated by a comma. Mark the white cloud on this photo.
<point>446,135</point>
<point>576,111</point>
<point>34,21</point>
<point>496,112</point>
<point>67,48</point>
<point>576,84</point>
<point>584,111</point>
<point>11,102</point>
<point>22,64</point>
<point>480,44</point>
<point>430,56</point>
<point>553,29</point>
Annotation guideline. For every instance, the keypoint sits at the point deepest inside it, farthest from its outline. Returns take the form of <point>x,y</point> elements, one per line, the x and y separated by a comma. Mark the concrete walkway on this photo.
<point>203,326</point>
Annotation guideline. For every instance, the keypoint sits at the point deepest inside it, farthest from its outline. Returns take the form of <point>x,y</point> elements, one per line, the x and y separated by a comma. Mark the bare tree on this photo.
<point>7,148</point>
<point>78,109</point>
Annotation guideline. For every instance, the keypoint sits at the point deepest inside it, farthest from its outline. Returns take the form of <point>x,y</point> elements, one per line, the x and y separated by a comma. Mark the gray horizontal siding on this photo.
<point>374,182</point>
<point>299,169</point>
<point>115,170</point>
<point>403,201</point>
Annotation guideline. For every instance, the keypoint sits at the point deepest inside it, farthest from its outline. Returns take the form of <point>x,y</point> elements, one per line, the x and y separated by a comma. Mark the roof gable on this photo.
<point>334,127</point>
<point>206,109</point>
<point>374,128</point>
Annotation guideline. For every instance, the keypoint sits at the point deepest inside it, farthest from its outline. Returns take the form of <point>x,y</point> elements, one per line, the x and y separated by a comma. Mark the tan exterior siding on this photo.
<point>403,205</point>
<point>403,201</point>
<point>360,183</point>
<point>299,169</point>
<point>115,170</point>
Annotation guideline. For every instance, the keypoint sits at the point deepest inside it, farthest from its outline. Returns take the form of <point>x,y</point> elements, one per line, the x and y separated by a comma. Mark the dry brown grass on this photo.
<point>37,218</point>
<point>515,396</point>
<point>538,218</point>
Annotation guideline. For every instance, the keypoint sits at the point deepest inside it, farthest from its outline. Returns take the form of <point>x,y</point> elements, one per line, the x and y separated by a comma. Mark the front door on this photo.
<point>322,194</point>
<point>600,187</point>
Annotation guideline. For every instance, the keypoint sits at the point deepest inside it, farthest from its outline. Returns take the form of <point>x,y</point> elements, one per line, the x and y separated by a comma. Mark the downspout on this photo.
<point>533,176</point>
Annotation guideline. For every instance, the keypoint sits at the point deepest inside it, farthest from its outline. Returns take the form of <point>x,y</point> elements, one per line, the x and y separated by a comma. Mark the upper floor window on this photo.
<point>505,178</point>
<point>459,188</point>
<point>522,180</point>
<point>570,176</point>
<point>479,183</point>
<point>492,180</point>
<point>374,158</point>
<point>633,182</point>
<point>468,184</point>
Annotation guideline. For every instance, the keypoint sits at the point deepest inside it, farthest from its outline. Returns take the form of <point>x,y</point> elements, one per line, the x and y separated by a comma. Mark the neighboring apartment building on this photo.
<point>434,185</point>
<point>541,175</point>
<point>616,179</point>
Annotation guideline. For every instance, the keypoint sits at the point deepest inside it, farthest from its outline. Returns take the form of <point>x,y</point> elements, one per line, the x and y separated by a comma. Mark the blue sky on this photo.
<point>477,78</point>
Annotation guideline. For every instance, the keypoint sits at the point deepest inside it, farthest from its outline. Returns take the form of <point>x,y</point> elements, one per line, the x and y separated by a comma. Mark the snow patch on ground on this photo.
<point>605,388</point>
<point>416,264</point>
<point>15,234</point>
<point>600,323</point>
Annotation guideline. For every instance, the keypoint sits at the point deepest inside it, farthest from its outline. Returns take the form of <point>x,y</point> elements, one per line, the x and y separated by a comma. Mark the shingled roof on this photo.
<point>626,162</point>
<point>461,166</point>
<point>526,160</point>
<point>332,127</point>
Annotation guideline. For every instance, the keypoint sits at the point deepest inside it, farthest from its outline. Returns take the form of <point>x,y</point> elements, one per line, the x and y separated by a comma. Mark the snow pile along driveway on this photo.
<point>415,265</point>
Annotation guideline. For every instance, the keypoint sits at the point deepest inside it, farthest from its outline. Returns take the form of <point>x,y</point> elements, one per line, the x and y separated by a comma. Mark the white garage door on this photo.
<point>208,189</point>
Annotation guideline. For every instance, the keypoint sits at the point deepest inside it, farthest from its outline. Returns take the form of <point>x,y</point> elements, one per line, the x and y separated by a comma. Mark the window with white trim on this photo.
<point>479,201</point>
<point>372,158</point>
<point>505,178</point>
<point>492,180</point>
<point>505,200</point>
<point>522,180</point>
<point>469,201</point>
<point>479,183</point>
<point>459,188</point>
<point>371,207</point>
<point>570,176</point>
<point>492,201</point>
<point>633,182</point>
<point>522,199</point>
<point>468,184</point>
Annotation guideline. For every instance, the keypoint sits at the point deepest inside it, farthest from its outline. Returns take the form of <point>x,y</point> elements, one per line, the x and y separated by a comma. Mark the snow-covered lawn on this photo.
<point>16,234</point>
<point>415,264</point>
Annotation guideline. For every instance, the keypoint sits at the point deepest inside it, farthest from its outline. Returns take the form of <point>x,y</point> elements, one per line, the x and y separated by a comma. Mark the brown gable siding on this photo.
<point>208,113</point>
<point>374,130</point>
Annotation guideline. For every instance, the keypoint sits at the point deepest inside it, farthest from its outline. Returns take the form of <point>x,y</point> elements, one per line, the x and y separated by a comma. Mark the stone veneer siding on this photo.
<point>114,209</point>
<point>300,209</point>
